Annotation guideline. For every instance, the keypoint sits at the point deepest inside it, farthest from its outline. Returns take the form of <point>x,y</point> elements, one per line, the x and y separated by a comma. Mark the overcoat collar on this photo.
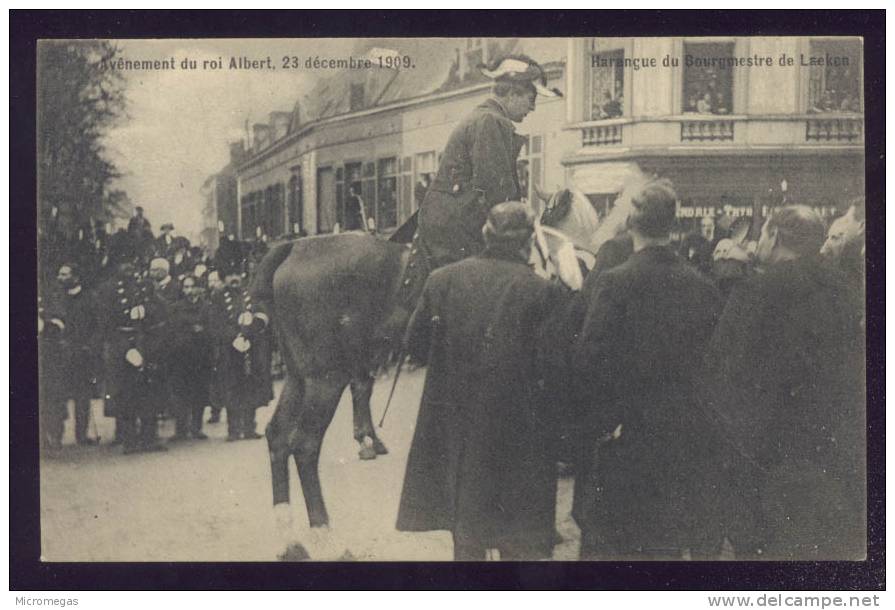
<point>495,107</point>
<point>656,254</point>
<point>503,255</point>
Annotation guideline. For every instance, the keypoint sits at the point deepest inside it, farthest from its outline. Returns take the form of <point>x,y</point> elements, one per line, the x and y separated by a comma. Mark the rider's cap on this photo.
<point>520,68</point>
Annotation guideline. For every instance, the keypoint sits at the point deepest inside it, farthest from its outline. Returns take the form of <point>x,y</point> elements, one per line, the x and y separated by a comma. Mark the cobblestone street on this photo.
<point>211,500</point>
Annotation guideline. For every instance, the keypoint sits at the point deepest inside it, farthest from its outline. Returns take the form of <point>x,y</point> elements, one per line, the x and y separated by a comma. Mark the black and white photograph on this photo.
<point>436,299</point>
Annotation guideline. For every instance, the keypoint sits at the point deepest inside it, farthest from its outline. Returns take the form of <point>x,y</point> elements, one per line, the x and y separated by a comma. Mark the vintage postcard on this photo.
<point>434,299</point>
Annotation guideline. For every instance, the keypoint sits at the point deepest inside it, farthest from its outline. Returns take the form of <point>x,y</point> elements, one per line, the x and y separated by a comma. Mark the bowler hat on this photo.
<point>509,222</point>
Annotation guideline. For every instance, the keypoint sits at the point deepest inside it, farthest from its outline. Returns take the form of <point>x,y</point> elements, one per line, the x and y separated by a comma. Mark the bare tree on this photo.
<point>78,100</point>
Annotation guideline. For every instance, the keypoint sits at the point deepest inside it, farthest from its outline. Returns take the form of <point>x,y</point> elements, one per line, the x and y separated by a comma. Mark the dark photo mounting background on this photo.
<point>27,572</point>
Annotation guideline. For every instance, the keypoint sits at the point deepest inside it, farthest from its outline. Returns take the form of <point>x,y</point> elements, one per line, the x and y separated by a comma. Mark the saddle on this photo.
<point>418,268</point>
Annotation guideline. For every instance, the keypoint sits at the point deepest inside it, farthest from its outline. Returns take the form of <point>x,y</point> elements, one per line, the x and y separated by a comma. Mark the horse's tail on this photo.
<point>261,286</point>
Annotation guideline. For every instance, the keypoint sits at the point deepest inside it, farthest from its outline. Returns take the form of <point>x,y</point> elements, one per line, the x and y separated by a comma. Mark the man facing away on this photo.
<point>640,487</point>
<point>785,382</point>
<point>482,460</point>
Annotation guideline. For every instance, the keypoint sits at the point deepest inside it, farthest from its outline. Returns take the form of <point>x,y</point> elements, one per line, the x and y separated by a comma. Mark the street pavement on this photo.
<point>211,500</point>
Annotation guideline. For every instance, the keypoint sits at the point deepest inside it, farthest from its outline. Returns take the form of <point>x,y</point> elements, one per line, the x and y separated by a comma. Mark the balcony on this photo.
<point>601,135</point>
<point>840,129</point>
<point>689,134</point>
<point>707,130</point>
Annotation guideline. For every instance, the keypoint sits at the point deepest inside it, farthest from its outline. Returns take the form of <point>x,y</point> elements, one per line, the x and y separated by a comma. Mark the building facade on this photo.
<point>220,207</point>
<point>735,122</point>
<point>384,143</point>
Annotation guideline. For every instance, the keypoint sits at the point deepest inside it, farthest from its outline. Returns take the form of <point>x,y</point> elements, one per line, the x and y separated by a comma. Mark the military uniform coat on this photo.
<point>240,380</point>
<point>477,171</point>
<point>482,463</point>
<point>785,382</point>
<point>645,330</point>
<point>127,386</point>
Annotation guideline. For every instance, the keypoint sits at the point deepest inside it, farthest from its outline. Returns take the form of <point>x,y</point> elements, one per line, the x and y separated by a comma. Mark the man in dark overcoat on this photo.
<point>83,348</point>
<point>241,375</point>
<point>164,245</point>
<point>51,369</point>
<point>646,325</point>
<point>478,167</point>
<point>139,230</point>
<point>189,362</point>
<point>482,460</point>
<point>785,383</point>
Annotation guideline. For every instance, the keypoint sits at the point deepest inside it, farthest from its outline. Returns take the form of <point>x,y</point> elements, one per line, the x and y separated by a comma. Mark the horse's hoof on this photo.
<point>367,453</point>
<point>379,447</point>
<point>294,552</point>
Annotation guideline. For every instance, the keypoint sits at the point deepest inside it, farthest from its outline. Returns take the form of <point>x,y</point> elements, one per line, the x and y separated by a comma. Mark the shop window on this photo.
<point>602,202</point>
<point>368,193</point>
<point>347,190</point>
<point>835,87</point>
<point>708,87</point>
<point>607,84</point>
<point>406,189</point>
<point>296,203</point>
<point>529,167</point>
<point>424,175</point>
<point>387,194</point>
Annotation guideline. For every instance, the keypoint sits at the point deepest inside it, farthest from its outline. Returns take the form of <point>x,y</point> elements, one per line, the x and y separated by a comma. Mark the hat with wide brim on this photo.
<point>520,70</point>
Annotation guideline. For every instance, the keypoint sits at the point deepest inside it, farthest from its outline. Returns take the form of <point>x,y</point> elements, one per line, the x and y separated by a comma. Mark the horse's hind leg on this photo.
<point>364,432</point>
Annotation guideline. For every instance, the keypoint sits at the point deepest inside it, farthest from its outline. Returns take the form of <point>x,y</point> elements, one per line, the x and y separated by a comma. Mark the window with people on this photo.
<point>424,174</point>
<point>296,202</point>
<point>387,194</point>
<point>607,84</point>
<point>708,84</point>
<point>834,85</point>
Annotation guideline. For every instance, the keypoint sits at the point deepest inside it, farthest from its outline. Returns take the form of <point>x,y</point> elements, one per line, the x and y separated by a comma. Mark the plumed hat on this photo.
<point>520,69</point>
<point>511,222</point>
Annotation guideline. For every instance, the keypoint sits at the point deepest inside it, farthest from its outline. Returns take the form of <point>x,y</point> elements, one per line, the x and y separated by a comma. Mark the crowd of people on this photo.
<point>154,327</point>
<point>710,407</point>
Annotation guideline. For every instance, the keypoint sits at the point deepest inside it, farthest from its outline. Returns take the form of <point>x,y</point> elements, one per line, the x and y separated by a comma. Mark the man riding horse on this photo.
<point>477,170</point>
<point>341,302</point>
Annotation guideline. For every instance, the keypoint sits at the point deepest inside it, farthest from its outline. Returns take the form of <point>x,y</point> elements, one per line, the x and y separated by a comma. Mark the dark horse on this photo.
<point>338,320</point>
<point>340,315</point>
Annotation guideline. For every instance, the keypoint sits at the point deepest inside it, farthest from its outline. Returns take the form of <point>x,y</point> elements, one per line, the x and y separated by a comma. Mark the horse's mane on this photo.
<point>579,221</point>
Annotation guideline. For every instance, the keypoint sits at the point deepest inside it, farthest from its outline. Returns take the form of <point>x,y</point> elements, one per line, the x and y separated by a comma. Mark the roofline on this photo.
<point>307,127</point>
<point>554,69</point>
